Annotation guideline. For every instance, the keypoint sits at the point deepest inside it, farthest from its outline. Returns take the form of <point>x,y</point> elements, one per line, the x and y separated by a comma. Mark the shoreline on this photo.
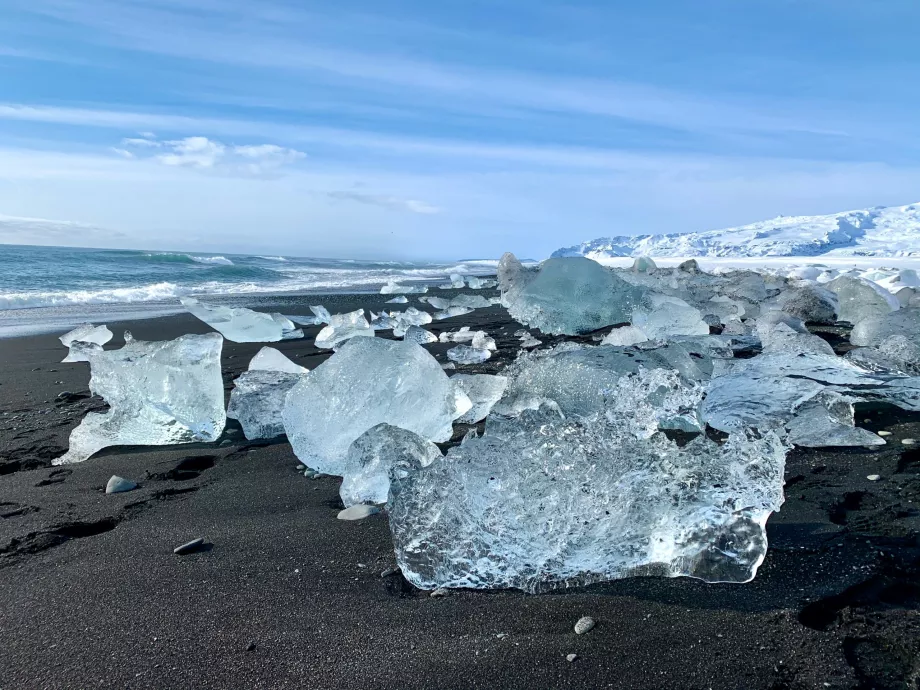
<point>288,595</point>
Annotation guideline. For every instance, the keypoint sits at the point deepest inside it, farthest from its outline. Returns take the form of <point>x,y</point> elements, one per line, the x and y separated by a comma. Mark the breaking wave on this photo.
<point>144,293</point>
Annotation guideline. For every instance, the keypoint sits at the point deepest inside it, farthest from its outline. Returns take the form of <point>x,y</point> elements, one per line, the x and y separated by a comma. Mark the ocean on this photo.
<point>46,288</point>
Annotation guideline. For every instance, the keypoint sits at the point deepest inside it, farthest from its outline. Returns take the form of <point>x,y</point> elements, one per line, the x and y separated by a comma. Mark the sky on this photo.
<point>449,129</point>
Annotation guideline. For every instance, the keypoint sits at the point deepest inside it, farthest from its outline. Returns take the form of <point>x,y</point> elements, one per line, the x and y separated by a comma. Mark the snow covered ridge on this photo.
<point>875,232</point>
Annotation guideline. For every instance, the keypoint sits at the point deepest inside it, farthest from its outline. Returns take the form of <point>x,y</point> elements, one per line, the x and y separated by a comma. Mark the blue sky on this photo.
<point>446,129</point>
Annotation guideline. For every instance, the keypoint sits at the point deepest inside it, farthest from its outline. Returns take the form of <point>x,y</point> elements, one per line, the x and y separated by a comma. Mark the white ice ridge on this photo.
<point>258,395</point>
<point>85,333</point>
<point>544,501</point>
<point>159,393</point>
<point>369,381</point>
<point>242,325</point>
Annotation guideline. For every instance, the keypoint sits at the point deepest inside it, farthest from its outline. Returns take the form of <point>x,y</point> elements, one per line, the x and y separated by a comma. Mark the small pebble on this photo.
<point>501,636</point>
<point>300,468</point>
<point>389,572</point>
<point>884,433</point>
<point>251,647</point>
<point>189,547</point>
<point>358,512</point>
<point>117,485</point>
<point>584,625</point>
<point>908,441</point>
<point>439,592</point>
<point>874,477</point>
<point>571,657</point>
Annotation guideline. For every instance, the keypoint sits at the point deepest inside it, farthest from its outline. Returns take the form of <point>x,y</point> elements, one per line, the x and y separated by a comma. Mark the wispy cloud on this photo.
<point>202,153</point>
<point>59,233</point>
<point>391,202</point>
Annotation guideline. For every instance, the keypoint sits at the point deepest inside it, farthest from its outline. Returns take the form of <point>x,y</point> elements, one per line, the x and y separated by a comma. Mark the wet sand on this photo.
<point>287,596</point>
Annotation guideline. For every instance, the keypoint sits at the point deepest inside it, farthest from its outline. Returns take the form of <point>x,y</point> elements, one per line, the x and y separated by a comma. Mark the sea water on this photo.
<point>46,288</point>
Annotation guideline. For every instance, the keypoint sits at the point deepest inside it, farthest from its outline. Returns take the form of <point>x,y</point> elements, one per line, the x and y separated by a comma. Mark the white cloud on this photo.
<point>202,153</point>
<point>391,202</point>
<point>57,233</point>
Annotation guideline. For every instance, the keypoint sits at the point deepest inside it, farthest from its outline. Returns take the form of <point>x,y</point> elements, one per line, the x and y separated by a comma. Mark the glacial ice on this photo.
<point>394,288</point>
<point>369,381</point>
<point>542,501</point>
<point>238,324</point>
<point>624,336</point>
<point>258,395</point>
<point>342,327</point>
<point>378,453</point>
<point>483,390</point>
<point>270,359</point>
<point>567,295</point>
<point>780,337</point>
<point>87,333</point>
<point>661,316</point>
<point>873,330</point>
<point>398,300</point>
<point>861,299</point>
<point>579,379</point>
<point>764,392</point>
<point>159,393</point>
<point>644,264</point>
<point>417,334</point>
<point>809,303</point>
<point>466,354</point>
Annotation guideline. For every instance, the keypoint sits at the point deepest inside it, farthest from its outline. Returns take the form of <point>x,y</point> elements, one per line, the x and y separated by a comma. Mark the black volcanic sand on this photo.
<point>284,595</point>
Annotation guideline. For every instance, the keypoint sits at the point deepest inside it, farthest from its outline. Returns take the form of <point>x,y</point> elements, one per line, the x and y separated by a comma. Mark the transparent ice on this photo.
<point>465,354</point>
<point>342,327</point>
<point>375,455</point>
<point>270,359</point>
<point>417,334</point>
<point>874,329</point>
<point>541,502</point>
<point>811,303</point>
<point>860,299</point>
<point>566,295</point>
<point>398,300</point>
<point>159,393</point>
<point>483,390</point>
<point>86,333</point>
<point>369,381</point>
<point>624,336</point>
<point>258,395</point>
<point>660,316</point>
<point>239,324</point>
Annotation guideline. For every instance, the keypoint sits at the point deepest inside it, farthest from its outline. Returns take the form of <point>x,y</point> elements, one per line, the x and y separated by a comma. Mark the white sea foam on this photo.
<point>144,293</point>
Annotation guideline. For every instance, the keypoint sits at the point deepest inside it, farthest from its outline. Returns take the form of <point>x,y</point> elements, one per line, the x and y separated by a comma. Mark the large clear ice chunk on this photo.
<point>566,295</point>
<point>375,455</point>
<point>85,333</point>
<point>541,502</point>
<point>874,329</point>
<point>466,354</point>
<point>860,299</point>
<point>369,381</point>
<point>159,393</point>
<point>239,324</point>
<point>661,316</point>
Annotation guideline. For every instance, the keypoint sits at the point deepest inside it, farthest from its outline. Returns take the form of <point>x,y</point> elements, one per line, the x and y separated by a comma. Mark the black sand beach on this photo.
<point>286,596</point>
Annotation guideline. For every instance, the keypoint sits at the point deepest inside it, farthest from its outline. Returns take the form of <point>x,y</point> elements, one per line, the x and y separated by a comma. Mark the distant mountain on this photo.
<point>880,231</point>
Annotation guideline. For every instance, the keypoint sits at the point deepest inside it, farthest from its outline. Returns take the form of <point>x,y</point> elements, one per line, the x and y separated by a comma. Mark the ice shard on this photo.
<point>159,393</point>
<point>541,502</point>
<point>860,299</point>
<point>85,333</point>
<point>375,455</point>
<point>466,354</point>
<point>566,295</point>
<point>342,327</point>
<point>398,300</point>
<point>874,329</point>
<point>394,288</point>
<point>624,336</point>
<point>369,381</point>
<point>417,334</point>
<point>809,303</point>
<point>661,316</point>
<point>827,419</point>
<point>764,392</point>
<point>258,395</point>
<point>483,390</point>
<point>239,324</point>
